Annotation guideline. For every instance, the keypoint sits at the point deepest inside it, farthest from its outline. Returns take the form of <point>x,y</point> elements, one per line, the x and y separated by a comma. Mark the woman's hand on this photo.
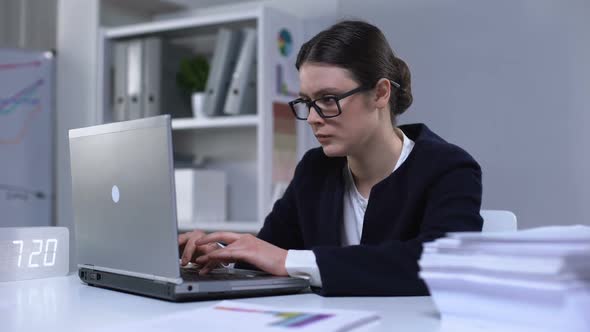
<point>190,251</point>
<point>242,247</point>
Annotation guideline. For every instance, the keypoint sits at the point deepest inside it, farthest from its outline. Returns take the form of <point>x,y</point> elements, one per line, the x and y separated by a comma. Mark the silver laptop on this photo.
<point>125,218</point>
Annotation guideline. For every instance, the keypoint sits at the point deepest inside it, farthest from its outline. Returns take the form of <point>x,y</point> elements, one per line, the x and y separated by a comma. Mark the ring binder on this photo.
<point>241,97</point>
<point>224,59</point>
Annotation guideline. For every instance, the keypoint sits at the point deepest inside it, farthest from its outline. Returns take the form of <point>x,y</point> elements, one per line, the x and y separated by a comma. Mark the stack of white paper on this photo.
<point>531,280</point>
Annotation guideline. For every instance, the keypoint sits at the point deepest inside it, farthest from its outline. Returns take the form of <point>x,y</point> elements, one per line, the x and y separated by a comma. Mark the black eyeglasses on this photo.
<point>327,106</point>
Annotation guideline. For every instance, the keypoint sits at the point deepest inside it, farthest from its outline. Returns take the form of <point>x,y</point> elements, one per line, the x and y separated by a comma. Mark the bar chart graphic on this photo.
<point>291,320</point>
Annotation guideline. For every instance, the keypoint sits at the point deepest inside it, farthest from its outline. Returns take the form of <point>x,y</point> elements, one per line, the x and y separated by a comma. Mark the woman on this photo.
<point>358,209</point>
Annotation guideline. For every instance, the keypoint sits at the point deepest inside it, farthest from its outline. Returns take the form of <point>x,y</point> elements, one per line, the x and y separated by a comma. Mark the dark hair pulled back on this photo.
<point>362,49</point>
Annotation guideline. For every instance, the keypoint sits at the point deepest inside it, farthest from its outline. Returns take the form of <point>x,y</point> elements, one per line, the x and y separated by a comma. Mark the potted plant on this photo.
<point>192,78</point>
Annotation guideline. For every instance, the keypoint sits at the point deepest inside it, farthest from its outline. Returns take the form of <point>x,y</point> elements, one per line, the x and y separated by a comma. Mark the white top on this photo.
<point>65,304</point>
<point>302,263</point>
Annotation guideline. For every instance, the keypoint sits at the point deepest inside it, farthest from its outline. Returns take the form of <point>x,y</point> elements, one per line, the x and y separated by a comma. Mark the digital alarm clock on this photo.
<point>34,252</point>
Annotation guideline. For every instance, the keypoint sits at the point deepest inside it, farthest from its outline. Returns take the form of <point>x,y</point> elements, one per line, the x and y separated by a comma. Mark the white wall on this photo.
<point>28,24</point>
<point>76,97</point>
<point>510,82</point>
<point>112,15</point>
<point>9,23</point>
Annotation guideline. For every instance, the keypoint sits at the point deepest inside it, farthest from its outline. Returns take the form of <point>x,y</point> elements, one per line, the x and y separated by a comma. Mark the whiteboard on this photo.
<point>26,139</point>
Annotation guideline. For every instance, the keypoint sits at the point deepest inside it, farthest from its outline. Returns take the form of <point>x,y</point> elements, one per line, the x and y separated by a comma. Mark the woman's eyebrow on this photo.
<point>321,92</point>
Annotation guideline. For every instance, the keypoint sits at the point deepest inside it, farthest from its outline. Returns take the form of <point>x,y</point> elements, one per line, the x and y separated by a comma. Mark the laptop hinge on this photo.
<point>177,281</point>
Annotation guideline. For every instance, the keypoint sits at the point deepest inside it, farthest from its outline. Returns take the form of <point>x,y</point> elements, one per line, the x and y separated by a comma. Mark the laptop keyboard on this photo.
<point>192,274</point>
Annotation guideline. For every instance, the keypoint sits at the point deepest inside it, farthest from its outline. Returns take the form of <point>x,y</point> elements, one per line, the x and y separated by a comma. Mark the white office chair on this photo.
<point>498,221</point>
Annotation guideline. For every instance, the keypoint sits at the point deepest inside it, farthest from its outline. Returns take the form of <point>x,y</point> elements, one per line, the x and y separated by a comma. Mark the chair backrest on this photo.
<point>498,221</point>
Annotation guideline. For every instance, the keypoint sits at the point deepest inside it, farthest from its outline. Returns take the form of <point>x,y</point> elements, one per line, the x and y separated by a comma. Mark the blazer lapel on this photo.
<point>332,205</point>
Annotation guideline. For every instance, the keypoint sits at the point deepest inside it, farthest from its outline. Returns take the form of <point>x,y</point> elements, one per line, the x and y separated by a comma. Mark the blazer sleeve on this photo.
<point>281,226</point>
<point>391,268</point>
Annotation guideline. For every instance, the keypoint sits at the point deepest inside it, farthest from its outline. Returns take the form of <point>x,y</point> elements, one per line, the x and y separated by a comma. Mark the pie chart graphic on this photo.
<point>285,42</point>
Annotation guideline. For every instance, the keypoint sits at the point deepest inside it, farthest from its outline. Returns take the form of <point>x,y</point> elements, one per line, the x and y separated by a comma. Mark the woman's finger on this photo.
<point>188,252</point>
<point>209,247</point>
<point>190,247</point>
<point>225,255</point>
<point>182,238</point>
<point>226,237</point>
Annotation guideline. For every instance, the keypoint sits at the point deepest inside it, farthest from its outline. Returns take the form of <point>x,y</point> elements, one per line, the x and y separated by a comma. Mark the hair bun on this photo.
<point>404,93</point>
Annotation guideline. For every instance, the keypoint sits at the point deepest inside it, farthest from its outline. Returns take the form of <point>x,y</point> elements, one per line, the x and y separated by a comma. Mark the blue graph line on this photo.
<point>10,104</point>
<point>19,102</point>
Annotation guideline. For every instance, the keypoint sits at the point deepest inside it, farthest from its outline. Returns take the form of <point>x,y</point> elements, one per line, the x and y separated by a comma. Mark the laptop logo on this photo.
<point>115,194</point>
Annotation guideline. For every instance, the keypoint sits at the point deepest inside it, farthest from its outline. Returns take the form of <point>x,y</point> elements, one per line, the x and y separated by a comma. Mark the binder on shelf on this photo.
<point>134,79</point>
<point>120,81</point>
<point>145,79</point>
<point>151,70</point>
<point>226,51</point>
<point>241,96</point>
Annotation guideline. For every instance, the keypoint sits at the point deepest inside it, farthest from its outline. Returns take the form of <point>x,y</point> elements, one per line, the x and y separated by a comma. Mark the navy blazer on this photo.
<point>436,190</point>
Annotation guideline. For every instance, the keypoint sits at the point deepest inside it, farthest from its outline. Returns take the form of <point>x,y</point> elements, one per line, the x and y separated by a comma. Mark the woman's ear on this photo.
<point>382,93</point>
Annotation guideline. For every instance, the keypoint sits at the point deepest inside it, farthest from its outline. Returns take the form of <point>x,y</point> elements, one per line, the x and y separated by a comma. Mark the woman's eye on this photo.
<point>328,101</point>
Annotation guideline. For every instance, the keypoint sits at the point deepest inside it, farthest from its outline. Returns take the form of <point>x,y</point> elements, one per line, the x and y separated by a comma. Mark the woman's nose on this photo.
<point>314,117</point>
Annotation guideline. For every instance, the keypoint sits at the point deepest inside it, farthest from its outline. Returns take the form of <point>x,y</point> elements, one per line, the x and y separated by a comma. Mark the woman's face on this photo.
<point>349,132</point>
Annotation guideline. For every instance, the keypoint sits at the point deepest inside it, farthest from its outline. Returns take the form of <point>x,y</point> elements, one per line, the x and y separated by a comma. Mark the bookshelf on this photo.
<point>217,122</point>
<point>231,226</point>
<point>242,146</point>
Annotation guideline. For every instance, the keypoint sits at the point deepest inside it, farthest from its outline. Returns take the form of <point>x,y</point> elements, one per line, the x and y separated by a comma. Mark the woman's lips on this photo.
<point>323,138</point>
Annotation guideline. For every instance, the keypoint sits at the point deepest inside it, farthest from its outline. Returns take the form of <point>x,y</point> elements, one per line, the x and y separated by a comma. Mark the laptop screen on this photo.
<point>123,197</point>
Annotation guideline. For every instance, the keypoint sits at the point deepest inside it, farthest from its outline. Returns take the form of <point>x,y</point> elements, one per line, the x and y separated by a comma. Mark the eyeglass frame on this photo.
<point>336,99</point>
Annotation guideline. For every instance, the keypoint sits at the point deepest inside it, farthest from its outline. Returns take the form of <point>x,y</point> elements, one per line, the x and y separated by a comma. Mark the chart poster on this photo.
<point>26,139</point>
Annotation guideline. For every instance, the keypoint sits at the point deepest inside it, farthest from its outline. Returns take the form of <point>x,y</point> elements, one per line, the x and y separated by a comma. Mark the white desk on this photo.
<point>65,304</point>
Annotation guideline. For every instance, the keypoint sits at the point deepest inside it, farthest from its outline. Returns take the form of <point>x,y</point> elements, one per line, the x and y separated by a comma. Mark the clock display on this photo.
<point>33,252</point>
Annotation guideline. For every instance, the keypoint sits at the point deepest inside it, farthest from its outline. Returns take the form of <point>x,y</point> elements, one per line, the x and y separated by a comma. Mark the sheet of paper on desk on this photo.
<point>243,317</point>
<point>551,234</point>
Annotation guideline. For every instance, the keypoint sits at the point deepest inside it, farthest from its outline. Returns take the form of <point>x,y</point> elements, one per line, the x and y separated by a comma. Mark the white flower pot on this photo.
<point>197,99</point>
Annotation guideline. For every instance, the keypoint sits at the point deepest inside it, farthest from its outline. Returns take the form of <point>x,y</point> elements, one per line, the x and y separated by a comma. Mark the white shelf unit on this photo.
<point>231,226</point>
<point>220,122</point>
<point>242,145</point>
